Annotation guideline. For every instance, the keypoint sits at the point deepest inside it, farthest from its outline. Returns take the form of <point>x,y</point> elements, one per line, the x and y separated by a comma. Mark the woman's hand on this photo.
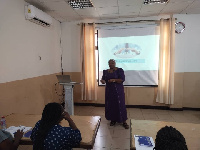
<point>66,116</point>
<point>112,80</point>
<point>103,81</point>
<point>18,135</point>
<point>70,121</point>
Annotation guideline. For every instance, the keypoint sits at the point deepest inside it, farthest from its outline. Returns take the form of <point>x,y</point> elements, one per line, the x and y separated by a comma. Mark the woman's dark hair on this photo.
<point>168,138</point>
<point>51,116</point>
<point>111,60</point>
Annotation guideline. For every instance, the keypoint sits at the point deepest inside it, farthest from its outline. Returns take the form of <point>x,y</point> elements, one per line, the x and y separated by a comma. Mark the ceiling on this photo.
<point>114,9</point>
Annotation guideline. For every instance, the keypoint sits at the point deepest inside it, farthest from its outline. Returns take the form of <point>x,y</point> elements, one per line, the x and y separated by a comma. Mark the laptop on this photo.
<point>63,78</point>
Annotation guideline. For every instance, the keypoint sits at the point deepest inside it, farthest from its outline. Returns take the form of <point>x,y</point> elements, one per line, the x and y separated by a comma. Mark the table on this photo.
<point>190,131</point>
<point>88,126</point>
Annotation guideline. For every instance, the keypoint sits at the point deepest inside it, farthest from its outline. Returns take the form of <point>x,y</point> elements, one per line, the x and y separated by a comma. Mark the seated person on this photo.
<point>6,140</point>
<point>48,134</point>
<point>168,138</point>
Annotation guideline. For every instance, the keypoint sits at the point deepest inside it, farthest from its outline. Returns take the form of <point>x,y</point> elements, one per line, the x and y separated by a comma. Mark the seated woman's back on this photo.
<point>48,134</point>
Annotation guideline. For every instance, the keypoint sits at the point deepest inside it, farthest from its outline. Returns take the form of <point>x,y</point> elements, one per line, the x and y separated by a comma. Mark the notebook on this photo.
<point>28,134</point>
<point>144,142</point>
<point>63,78</point>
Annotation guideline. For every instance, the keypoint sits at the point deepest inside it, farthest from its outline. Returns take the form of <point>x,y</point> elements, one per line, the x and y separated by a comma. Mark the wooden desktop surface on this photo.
<point>88,126</point>
<point>190,131</point>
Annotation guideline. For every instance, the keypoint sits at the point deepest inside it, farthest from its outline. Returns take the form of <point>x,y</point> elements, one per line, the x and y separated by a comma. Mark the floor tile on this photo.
<point>134,110</point>
<point>125,133</point>
<point>157,111</point>
<point>104,120</point>
<point>176,112</point>
<point>117,127</point>
<point>150,116</point>
<point>191,112</point>
<point>136,116</point>
<point>105,132</point>
<point>147,111</point>
<point>120,143</point>
<point>103,142</point>
<point>165,117</point>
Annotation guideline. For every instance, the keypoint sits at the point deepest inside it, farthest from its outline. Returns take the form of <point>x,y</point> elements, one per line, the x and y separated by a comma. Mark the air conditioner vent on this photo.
<point>40,22</point>
<point>37,16</point>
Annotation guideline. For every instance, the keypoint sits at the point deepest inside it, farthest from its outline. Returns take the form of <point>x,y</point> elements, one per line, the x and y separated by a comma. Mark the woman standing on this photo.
<point>115,108</point>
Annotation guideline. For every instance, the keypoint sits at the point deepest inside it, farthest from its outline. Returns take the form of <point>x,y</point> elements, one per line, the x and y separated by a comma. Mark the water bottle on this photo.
<point>3,123</point>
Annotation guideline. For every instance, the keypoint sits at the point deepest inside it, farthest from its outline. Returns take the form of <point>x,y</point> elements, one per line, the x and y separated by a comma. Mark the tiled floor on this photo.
<point>109,138</point>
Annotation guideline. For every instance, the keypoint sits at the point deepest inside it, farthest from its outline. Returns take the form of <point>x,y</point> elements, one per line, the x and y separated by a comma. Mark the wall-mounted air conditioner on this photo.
<point>35,15</point>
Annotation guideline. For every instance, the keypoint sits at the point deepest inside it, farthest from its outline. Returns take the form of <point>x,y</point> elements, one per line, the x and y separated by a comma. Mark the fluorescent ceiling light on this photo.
<point>80,4</point>
<point>155,1</point>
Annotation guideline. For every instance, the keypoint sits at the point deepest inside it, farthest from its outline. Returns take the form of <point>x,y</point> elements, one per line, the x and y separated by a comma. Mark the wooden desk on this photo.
<point>190,131</point>
<point>88,126</point>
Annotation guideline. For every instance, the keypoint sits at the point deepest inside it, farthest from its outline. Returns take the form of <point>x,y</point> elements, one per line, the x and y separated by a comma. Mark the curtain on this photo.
<point>88,65</point>
<point>166,62</point>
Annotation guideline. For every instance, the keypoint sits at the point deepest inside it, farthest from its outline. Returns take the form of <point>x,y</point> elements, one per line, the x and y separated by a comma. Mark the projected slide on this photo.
<point>137,54</point>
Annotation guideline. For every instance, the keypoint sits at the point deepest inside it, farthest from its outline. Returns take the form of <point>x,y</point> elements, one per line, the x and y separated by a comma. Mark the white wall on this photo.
<point>22,43</point>
<point>187,44</point>
<point>71,46</point>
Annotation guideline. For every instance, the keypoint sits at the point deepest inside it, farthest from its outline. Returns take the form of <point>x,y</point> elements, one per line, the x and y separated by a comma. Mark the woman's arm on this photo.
<point>6,145</point>
<point>18,135</point>
<point>103,79</point>
<point>71,122</point>
<point>115,80</point>
<point>9,145</point>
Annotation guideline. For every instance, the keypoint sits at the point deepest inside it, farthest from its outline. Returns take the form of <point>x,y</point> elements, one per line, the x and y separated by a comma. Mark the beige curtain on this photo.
<point>88,68</point>
<point>166,62</point>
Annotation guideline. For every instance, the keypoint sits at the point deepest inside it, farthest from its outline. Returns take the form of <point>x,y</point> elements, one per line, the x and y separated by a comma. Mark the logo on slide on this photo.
<point>126,50</point>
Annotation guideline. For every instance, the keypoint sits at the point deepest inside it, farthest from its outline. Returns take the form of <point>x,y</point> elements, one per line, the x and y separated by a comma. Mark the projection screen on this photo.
<point>135,50</point>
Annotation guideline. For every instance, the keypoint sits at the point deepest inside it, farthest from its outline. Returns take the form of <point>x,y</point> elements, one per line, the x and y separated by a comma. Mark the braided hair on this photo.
<point>51,116</point>
<point>168,138</point>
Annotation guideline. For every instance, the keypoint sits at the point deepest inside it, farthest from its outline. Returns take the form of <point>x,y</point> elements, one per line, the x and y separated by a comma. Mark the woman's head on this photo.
<point>52,113</point>
<point>111,63</point>
<point>168,138</point>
